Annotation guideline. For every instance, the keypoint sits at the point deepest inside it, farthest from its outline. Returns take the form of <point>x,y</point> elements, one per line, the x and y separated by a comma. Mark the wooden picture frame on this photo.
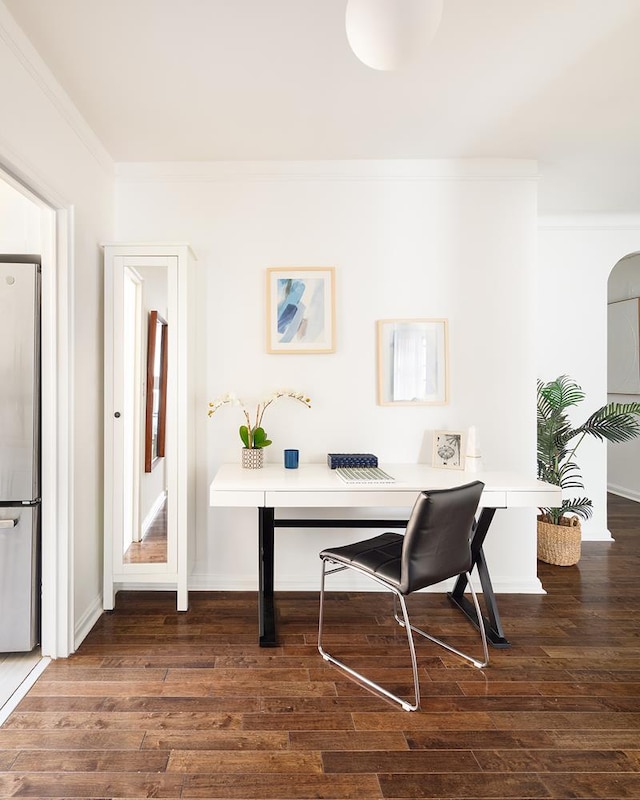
<point>300,310</point>
<point>413,362</point>
<point>156,410</point>
<point>448,449</point>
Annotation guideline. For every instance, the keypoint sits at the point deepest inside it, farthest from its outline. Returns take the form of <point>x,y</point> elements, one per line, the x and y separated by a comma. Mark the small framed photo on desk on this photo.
<point>448,450</point>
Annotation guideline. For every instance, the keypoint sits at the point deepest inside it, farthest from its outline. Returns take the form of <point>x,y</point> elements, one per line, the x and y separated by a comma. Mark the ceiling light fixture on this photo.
<point>386,34</point>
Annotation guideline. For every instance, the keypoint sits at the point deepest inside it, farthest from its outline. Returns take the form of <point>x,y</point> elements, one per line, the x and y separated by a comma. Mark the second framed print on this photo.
<point>301,310</point>
<point>412,362</point>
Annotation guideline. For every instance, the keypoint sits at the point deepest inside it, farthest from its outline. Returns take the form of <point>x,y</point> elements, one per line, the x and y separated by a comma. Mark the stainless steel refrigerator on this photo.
<point>20,279</point>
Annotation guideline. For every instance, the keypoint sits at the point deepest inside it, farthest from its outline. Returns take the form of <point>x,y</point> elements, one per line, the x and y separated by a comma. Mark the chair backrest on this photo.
<point>437,539</point>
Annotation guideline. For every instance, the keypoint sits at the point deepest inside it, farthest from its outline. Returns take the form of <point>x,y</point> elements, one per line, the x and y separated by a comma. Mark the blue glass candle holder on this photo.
<point>291,459</point>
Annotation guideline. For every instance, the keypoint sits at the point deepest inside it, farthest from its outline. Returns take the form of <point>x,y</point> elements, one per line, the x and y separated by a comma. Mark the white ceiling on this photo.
<point>190,80</point>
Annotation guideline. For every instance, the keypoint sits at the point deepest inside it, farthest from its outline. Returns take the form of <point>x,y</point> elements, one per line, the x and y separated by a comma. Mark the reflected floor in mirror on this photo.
<point>153,547</point>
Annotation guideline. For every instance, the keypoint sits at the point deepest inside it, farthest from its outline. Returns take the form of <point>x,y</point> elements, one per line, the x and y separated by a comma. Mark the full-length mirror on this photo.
<point>146,374</point>
<point>412,361</point>
<point>149,449</point>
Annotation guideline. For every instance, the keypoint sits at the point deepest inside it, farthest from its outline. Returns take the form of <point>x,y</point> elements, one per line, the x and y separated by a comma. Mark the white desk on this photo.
<point>317,486</point>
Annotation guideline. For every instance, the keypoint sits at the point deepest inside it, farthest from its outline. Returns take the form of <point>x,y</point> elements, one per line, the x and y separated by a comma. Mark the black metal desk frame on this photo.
<point>267,523</point>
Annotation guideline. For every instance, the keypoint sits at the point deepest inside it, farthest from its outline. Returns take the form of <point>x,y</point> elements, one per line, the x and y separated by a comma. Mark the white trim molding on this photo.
<point>25,52</point>
<point>416,170</point>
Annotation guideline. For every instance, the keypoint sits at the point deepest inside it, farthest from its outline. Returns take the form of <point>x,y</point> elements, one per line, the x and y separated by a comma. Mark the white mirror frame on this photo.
<point>180,461</point>
<point>413,362</point>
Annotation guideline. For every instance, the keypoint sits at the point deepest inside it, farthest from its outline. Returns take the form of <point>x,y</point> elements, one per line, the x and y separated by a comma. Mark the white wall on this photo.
<point>46,144</point>
<point>576,255</point>
<point>407,239</point>
<point>19,222</point>
<point>623,460</point>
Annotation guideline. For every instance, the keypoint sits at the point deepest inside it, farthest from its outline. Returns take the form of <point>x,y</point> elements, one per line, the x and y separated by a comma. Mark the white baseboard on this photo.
<point>87,621</point>
<point>604,536</point>
<point>23,688</point>
<point>622,491</point>
<point>153,512</point>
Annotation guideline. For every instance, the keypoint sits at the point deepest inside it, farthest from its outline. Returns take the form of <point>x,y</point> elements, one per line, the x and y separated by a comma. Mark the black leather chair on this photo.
<point>435,547</point>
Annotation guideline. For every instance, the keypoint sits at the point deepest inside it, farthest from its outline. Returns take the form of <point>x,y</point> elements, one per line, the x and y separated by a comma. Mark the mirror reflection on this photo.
<point>147,372</point>
<point>156,415</point>
<point>412,362</point>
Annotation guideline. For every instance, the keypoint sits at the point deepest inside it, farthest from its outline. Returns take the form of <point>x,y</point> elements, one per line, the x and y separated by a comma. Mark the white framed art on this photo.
<point>412,362</point>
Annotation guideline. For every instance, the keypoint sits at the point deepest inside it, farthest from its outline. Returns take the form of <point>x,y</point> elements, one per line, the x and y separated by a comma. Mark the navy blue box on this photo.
<point>335,460</point>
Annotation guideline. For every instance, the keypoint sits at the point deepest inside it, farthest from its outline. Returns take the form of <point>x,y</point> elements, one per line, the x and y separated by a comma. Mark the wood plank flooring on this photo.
<point>167,705</point>
<point>16,670</point>
<point>153,547</point>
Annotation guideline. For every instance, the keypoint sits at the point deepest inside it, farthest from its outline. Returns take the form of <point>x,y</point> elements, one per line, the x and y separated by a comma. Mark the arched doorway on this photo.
<point>623,369</point>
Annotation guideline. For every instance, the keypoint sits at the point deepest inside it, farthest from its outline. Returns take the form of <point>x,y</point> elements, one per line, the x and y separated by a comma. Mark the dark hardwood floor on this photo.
<point>153,547</point>
<point>168,705</point>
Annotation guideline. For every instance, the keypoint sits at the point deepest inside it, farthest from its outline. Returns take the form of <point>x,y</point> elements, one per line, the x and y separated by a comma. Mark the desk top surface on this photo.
<point>275,485</point>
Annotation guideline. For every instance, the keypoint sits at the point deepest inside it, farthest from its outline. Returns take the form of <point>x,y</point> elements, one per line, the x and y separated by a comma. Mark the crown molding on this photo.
<point>20,173</point>
<point>22,48</point>
<point>411,170</point>
<point>591,222</point>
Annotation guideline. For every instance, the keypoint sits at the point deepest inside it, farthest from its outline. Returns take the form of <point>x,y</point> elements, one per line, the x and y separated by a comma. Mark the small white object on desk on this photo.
<point>473,458</point>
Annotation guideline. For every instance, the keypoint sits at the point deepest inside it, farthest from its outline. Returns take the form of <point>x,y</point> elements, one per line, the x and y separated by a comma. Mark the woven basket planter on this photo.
<point>559,544</point>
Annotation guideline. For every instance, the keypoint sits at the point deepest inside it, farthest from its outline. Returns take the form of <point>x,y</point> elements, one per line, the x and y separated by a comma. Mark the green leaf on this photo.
<point>560,394</point>
<point>615,422</point>
<point>581,507</point>
<point>244,435</point>
<point>260,438</point>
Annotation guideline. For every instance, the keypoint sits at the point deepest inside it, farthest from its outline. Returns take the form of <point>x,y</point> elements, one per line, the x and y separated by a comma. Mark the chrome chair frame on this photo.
<point>410,629</point>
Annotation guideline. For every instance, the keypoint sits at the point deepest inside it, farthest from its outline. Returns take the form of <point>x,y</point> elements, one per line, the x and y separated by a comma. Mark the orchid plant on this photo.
<point>252,434</point>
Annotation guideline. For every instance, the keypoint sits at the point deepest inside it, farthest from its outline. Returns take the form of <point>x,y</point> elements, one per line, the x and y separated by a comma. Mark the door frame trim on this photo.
<point>57,236</point>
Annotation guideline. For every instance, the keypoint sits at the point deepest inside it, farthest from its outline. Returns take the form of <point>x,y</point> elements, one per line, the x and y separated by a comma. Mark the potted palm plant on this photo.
<point>559,531</point>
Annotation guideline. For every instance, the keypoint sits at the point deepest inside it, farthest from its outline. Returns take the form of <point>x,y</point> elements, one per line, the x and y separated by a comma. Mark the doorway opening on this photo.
<point>20,234</point>
<point>30,224</point>
<point>623,369</point>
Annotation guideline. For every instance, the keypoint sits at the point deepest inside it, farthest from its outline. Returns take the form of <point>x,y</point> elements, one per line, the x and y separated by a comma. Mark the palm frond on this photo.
<point>581,507</point>
<point>560,394</point>
<point>615,422</point>
<point>558,439</point>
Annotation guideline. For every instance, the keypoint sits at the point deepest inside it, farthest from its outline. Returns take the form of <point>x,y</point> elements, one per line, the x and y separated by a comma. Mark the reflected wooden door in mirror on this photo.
<point>156,416</point>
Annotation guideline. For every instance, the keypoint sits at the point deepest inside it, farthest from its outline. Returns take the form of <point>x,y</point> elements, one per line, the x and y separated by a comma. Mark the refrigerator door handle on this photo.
<point>8,523</point>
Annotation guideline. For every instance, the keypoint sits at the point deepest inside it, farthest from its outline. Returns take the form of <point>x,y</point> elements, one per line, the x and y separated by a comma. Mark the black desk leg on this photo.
<point>492,623</point>
<point>266,610</point>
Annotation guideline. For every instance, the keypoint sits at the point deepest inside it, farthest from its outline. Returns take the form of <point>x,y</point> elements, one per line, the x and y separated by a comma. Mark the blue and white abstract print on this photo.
<point>301,310</point>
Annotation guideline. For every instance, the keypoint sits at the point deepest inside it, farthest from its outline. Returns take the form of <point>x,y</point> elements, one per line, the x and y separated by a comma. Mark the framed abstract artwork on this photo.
<point>301,310</point>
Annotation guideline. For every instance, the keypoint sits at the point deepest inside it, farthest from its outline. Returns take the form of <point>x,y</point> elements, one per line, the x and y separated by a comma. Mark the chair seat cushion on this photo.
<point>380,556</point>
